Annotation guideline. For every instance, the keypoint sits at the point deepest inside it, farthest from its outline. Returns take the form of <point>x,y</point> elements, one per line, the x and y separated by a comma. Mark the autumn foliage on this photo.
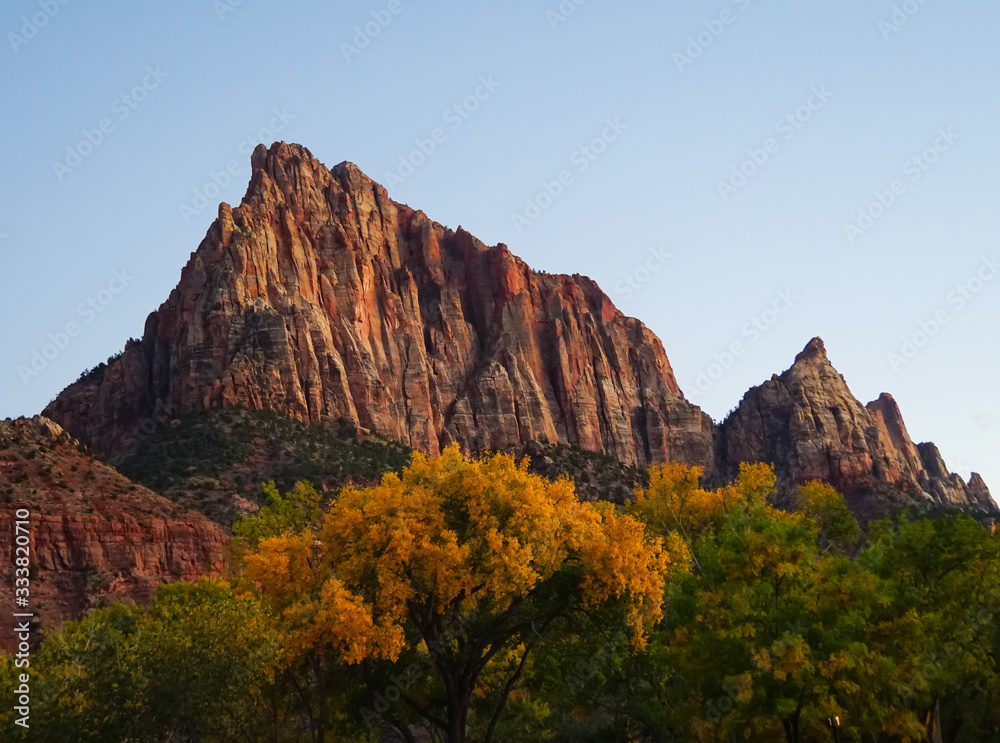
<point>472,550</point>
<point>466,599</point>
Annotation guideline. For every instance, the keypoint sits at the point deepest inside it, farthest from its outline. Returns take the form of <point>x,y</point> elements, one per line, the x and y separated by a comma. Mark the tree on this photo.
<point>767,637</point>
<point>294,513</point>
<point>946,574</point>
<point>196,665</point>
<point>206,654</point>
<point>837,526</point>
<point>467,564</point>
<point>676,502</point>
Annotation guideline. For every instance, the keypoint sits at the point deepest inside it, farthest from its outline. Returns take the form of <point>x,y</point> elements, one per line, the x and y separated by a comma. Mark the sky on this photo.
<point>740,175</point>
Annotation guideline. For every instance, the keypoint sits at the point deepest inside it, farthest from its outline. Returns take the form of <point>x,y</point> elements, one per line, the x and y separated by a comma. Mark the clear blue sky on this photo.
<point>884,92</point>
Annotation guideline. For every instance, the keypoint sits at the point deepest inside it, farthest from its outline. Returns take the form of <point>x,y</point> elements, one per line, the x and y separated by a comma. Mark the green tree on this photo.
<point>837,526</point>
<point>197,665</point>
<point>946,573</point>
<point>767,638</point>
<point>296,512</point>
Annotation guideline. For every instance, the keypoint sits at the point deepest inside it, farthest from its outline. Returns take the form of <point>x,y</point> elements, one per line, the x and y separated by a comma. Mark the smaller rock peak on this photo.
<point>814,350</point>
<point>347,167</point>
<point>885,404</point>
<point>351,177</point>
<point>978,485</point>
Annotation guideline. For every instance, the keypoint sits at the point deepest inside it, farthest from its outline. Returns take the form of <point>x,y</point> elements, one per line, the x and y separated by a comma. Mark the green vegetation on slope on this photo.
<point>215,459</point>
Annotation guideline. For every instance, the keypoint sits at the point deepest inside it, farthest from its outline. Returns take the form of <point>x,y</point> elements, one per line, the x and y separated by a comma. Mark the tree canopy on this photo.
<point>467,599</point>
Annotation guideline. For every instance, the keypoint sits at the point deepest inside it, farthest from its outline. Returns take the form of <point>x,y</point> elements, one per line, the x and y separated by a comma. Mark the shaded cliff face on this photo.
<point>809,425</point>
<point>95,536</point>
<point>320,297</point>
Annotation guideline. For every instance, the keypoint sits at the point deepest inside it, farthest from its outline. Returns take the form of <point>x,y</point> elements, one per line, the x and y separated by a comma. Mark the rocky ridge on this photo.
<point>811,427</point>
<point>319,297</point>
<point>95,536</point>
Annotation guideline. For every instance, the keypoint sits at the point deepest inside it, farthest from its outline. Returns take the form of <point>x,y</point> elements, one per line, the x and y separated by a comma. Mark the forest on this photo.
<point>468,600</point>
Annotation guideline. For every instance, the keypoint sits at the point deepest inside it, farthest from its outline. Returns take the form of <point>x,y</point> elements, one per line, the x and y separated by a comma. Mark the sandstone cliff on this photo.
<point>321,297</point>
<point>95,536</point>
<point>809,425</point>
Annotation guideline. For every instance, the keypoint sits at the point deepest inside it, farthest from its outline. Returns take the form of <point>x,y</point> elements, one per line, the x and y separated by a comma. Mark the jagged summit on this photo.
<point>811,427</point>
<point>815,350</point>
<point>320,297</point>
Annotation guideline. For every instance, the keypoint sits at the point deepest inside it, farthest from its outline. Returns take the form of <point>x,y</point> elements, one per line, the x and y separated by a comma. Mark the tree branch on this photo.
<point>507,689</point>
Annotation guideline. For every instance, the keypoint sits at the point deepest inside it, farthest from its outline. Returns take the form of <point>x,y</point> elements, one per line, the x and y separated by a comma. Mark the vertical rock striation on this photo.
<point>319,296</point>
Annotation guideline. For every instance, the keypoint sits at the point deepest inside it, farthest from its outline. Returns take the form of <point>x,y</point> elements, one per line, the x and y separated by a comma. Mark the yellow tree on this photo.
<point>675,500</point>
<point>468,562</point>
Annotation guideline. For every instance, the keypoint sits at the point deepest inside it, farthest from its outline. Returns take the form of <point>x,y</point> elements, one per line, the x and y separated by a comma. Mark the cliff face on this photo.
<point>94,535</point>
<point>320,297</point>
<point>809,425</point>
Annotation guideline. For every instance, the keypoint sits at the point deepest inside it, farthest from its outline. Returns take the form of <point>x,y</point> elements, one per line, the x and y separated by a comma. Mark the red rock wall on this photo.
<point>321,296</point>
<point>95,536</point>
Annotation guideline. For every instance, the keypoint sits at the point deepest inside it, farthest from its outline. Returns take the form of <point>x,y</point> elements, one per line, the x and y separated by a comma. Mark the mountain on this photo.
<point>319,298</point>
<point>95,536</point>
<point>811,427</point>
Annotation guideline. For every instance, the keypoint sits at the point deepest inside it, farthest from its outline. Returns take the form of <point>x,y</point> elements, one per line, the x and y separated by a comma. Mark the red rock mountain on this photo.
<point>321,297</point>
<point>808,424</point>
<point>95,536</point>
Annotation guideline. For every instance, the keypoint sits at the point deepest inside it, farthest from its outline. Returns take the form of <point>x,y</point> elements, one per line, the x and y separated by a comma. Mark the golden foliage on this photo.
<point>449,537</point>
<point>675,500</point>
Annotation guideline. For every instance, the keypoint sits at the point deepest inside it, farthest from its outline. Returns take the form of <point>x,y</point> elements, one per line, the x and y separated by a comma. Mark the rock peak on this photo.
<point>279,152</point>
<point>815,349</point>
<point>320,297</point>
<point>812,427</point>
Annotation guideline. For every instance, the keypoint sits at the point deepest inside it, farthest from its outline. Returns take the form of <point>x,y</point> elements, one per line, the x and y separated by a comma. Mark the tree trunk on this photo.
<point>458,711</point>
<point>791,725</point>
<point>321,690</point>
<point>933,723</point>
